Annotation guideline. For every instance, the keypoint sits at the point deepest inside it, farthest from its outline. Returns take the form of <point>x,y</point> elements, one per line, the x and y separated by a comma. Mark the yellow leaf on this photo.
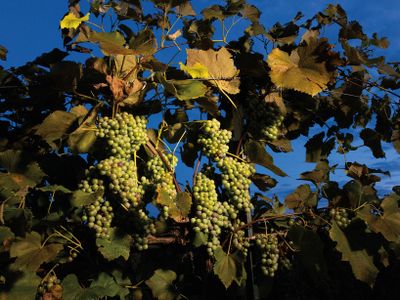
<point>299,72</point>
<point>72,21</point>
<point>196,71</point>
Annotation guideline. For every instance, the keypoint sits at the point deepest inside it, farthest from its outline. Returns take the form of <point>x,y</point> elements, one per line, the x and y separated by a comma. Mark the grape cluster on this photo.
<point>211,215</point>
<point>49,285</point>
<point>214,141</point>
<point>240,240</point>
<point>235,178</point>
<point>123,179</point>
<point>265,117</point>
<point>99,216</point>
<point>125,133</point>
<point>91,185</point>
<point>161,177</point>
<point>341,216</point>
<point>268,245</point>
<point>143,227</point>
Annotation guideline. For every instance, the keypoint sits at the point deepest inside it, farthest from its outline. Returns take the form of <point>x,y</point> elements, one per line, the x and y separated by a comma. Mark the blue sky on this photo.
<point>30,28</point>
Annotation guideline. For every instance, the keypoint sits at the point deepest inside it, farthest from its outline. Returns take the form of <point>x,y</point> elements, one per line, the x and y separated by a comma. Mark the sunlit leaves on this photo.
<point>228,267</point>
<point>179,208</point>
<point>300,70</point>
<point>361,262</point>
<point>72,21</point>
<point>161,284</point>
<point>218,65</point>
<point>117,245</point>
<point>196,71</point>
<point>55,126</point>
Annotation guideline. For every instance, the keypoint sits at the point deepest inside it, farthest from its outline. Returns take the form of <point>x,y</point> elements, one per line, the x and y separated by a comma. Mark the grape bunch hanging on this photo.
<point>265,118</point>
<point>117,174</point>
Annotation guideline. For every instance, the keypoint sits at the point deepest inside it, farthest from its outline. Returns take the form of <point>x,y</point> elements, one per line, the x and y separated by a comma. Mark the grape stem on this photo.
<point>166,163</point>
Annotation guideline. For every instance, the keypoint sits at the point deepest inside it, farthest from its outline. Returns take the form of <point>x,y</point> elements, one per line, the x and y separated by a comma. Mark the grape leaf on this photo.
<point>372,140</point>
<point>195,71</point>
<point>298,71</point>
<point>161,284</point>
<point>30,253</point>
<point>115,246</point>
<point>225,267</point>
<point>387,224</point>
<point>73,291</point>
<point>178,208</point>
<point>24,288</point>
<point>80,198</point>
<point>72,21</point>
<point>302,196</point>
<point>218,65</point>
<point>55,126</point>
<point>360,262</point>
<point>200,239</point>
<point>257,154</point>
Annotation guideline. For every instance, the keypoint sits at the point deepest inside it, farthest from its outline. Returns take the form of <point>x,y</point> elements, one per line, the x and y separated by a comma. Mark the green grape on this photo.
<point>268,245</point>
<point>160,176</point>
<point>123,179</point>
<point>100,217</point>
<point>341,216</point>
<point>264,118</point>
<point>235,178</point>
<point>124,134</point>
<point>211,216</point>
<point>213,140</point>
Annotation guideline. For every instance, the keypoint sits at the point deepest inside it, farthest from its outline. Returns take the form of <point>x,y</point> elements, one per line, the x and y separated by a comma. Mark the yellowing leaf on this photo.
<point>298,72</point>
<point>72,21</point>
<point>196,71</point>
<point>220,66</point>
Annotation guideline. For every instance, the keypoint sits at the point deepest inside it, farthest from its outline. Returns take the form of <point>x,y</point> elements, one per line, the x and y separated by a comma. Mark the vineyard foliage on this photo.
<point>96,200</point>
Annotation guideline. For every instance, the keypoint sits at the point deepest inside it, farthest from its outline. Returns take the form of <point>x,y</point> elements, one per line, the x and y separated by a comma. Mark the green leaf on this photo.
<point>72,21</point>
<point>200,239</point>
<point>263,182</point>
<point>195,71</point>
<point>30,253</point>
<point>310,251</point>
<point>54,188</point>
<point>55,126</point>
<point>372,140</point>
<point>82,139</point>
<point>144,43</point>
<point>301,197</point>
<point>161,284</point>
<point>360,262</point>
<point>225,267</point>
<point>114,247</point>
<point>72,290</point>
<point>188,89</point>
<point>179,208</point>
<point>257,154</point>
<point>24,288</point>
<point>111,43</point>
<point>387,224</point>
<point>80,198</point>
<point>105,285</point>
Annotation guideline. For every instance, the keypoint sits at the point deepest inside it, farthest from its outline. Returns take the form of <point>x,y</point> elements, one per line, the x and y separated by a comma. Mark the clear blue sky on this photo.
<point>30,28</point>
